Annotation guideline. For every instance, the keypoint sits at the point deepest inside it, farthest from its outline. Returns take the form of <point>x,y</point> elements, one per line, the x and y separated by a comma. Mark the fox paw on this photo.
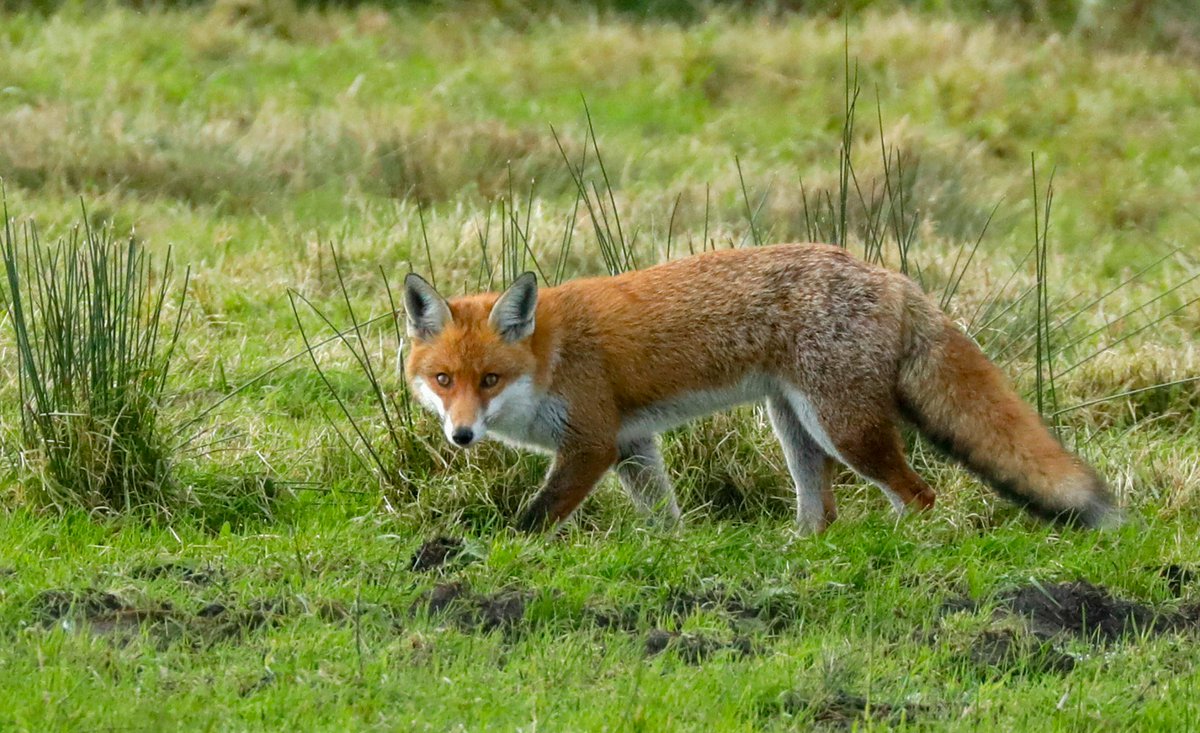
<point>534,519</point>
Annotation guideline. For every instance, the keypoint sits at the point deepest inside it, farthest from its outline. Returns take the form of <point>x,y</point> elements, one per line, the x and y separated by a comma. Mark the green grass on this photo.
<point>252,143</point>
<point>855,613</point>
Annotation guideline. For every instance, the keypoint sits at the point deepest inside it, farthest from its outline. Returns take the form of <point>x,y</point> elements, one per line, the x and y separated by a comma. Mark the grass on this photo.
<point>256,146</point>
<point>93,348</point>
<point>857,614</point>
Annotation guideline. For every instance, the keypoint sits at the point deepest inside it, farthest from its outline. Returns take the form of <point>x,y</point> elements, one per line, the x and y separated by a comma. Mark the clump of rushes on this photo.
<point>87,314</point>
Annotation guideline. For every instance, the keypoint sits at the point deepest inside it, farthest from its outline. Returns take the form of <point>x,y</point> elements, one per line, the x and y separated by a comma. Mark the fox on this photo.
<point>842,352</point>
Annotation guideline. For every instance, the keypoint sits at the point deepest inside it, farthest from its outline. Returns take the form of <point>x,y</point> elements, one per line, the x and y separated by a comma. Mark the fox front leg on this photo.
<point>575,472</point>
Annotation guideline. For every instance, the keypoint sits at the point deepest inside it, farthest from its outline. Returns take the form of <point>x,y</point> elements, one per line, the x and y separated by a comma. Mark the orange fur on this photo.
<point>838,348</point>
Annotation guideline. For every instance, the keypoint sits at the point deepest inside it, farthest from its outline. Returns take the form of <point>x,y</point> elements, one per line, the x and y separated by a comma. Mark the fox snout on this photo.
<point>462,436</point>
<point>463,427</point>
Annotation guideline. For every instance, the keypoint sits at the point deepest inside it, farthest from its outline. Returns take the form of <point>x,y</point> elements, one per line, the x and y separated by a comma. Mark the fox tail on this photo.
<point>964,404</point>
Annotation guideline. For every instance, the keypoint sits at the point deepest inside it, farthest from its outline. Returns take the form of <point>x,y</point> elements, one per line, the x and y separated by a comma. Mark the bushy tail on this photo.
<point>965,405</point>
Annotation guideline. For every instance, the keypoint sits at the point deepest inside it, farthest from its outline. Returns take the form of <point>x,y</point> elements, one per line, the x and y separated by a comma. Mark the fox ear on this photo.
<point>512,315</point>
<point>428,312</point>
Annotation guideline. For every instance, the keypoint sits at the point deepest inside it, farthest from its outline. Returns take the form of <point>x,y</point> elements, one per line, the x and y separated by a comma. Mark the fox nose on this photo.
<point>463,436</point>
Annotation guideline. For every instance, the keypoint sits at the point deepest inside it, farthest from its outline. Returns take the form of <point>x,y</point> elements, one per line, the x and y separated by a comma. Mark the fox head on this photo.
<point>469,357</point>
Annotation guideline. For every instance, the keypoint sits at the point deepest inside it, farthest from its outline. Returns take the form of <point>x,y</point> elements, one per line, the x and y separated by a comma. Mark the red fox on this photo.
<point>593,369</point>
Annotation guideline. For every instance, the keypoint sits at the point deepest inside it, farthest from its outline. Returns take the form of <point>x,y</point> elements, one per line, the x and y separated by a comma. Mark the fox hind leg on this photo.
<point>872,449</point>
<point>878,456</point>
<point>644,477</point>
<point>810,467</point>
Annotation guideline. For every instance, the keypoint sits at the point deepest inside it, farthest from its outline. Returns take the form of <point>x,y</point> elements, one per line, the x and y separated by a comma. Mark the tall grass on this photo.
<point>94,341</point>
<point>1047,395</point>
<point>389,460</point>
<point>618,251</point>
<point>873,211</point>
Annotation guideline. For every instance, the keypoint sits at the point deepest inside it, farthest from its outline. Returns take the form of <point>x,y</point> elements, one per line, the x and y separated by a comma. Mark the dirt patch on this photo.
<point>261,684</point>
<point>682,603</point>
<point>746,611</point>
<point>440,597</point>
<point>470,610</point>
<point>183,572</point>
<point>110,615</point>
<point>628,618</point>
<point>212,610</point>
<point>842,709</point>
<point>1006,650</point>
<point>218,622</point>
<point>101,613</point>
<point>436,553</point>
<point>1086,610</point>
<point>695,648</point>
<point>959,604</point>
<point>501,610</point>
<point>1178,577</point>
<point>774,611</point>
<point>1052,612</point>
<point>52,605</point>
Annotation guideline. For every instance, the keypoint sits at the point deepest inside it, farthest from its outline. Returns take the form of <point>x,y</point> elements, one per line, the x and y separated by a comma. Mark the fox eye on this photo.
<point>490,380</point>
<point>443,379</point>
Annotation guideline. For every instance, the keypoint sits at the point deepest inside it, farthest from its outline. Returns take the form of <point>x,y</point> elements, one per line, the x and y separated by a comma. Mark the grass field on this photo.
<point>290,573</point>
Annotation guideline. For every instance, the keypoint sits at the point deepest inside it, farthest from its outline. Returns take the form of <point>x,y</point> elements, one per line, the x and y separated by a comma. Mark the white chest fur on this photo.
<point>523,415</point>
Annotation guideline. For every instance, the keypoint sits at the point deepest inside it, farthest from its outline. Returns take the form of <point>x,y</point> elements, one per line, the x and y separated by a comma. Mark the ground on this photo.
<point>294,582</point>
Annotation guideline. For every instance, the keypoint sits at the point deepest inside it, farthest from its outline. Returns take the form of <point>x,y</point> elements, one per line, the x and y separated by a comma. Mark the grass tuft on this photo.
<point>94,341</point>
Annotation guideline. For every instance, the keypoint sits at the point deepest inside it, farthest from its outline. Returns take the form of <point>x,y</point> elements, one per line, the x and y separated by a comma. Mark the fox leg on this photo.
<point>871,448</point>
<point>640,468</point>
<point>810,467</point>
<point>575,472</point>
<point>878,455</point>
